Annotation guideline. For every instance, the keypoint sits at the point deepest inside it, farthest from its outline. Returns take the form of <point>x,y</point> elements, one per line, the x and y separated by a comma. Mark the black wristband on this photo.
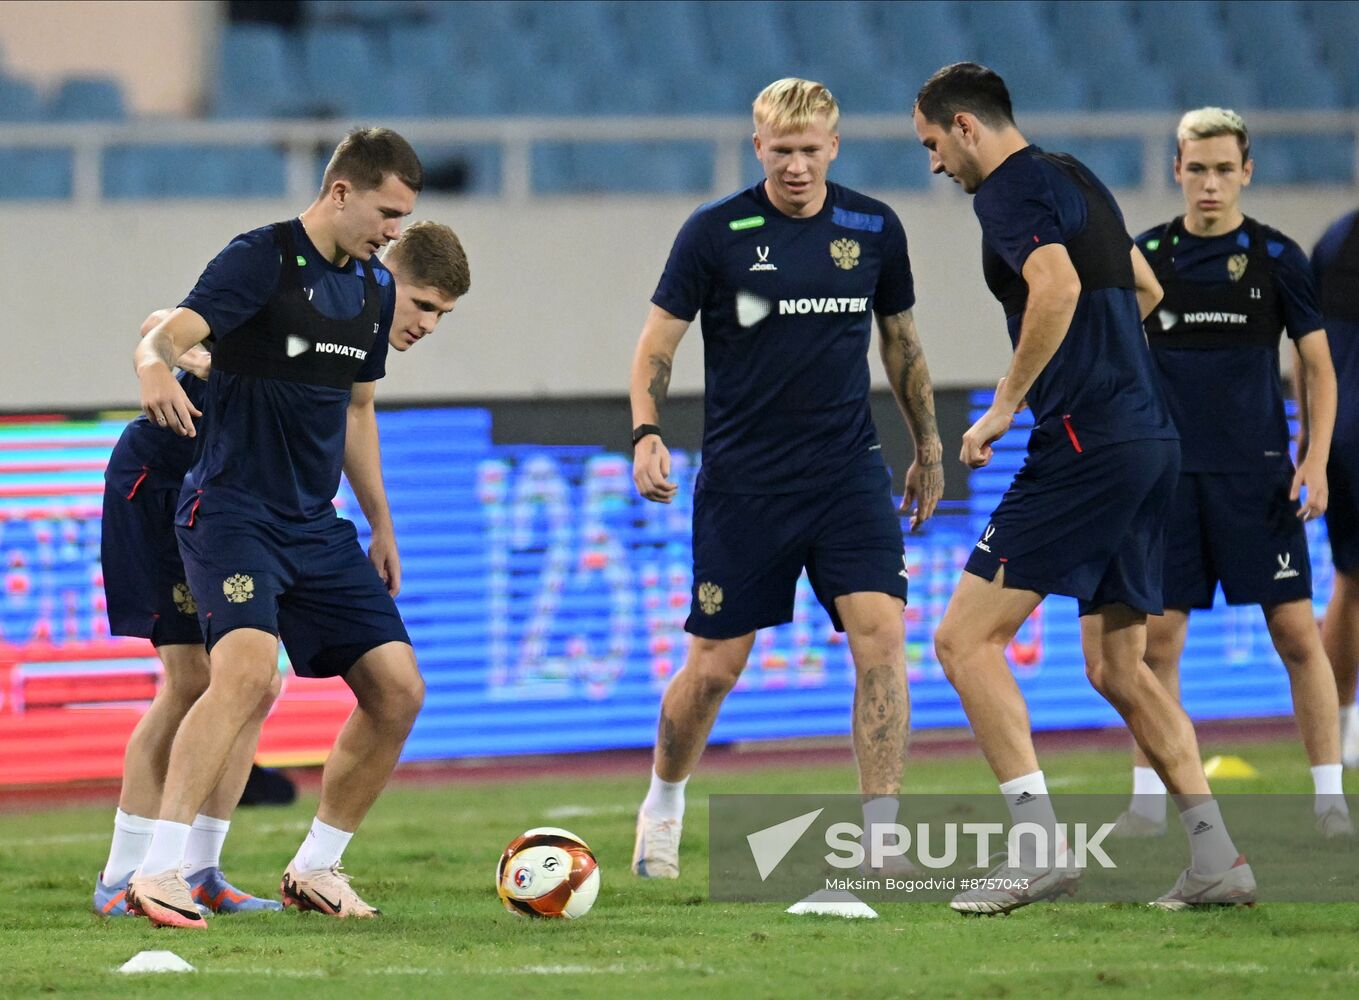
<point>642,430</point>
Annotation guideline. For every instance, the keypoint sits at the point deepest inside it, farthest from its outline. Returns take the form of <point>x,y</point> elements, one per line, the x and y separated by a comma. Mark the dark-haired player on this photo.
<point>1231,286</point>
<point>299,312</point>
<point>148,593</point>
<point>1335,263</point>
<point>1083,516</point>
<point>787,275</point>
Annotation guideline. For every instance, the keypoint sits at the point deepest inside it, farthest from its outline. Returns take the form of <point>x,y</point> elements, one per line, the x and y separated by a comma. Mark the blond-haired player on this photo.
<point>787,275</point>
<point>1232,286</point>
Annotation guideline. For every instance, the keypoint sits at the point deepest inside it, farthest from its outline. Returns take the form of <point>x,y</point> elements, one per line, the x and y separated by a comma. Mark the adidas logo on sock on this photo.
<point>1025,798</point>
<point>1203,827</point>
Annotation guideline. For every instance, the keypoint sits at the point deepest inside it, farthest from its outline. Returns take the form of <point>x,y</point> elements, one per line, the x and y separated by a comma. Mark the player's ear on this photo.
<point>834,146</point>
<point>1247,169</point>
<point>339,192</point>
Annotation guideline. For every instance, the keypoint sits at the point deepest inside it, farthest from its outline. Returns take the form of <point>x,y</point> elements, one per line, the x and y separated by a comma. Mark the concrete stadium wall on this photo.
<point>559,291</point>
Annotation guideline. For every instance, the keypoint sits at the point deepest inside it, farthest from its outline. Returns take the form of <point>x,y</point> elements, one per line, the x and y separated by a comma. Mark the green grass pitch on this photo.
<point>426,856</point>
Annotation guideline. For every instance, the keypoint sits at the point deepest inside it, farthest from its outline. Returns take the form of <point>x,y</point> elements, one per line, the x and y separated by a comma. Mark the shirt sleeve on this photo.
<point>237,283</point>
<point>895,292</point>
<point>1297,291</point>
<point>375,365</point>
<point>687,277</point>
<point>1018,214</point>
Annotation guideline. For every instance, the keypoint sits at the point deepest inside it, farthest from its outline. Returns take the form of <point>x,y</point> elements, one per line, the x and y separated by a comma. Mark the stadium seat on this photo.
<point>35,173</point>
<point>921,37</point>
<point>1303,159</point>
<point>19,101</point>
<point>326,47</point>
<point>88,99</point>
<point>622,167</point>
<point>881,165</point>
<point>174,171</point>
<point>835,33</point>
<point>668,36</point>
<point>459,169</point>
<point>749,39</point>
<point>256,77</point>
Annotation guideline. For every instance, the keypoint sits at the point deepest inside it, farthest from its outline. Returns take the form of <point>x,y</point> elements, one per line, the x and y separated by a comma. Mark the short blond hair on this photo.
<point>793,104</point>
<point>1209,123</point>
<point>430,255</point>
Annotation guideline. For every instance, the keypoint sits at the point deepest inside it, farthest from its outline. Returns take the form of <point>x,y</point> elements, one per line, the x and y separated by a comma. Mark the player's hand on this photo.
<point>164,402</point>
<point>980,436</point>
<point>651,470</point>
<point>1313,476</point>
<point>924,488</point>
<point>197,362</point>
<point>386,560</point>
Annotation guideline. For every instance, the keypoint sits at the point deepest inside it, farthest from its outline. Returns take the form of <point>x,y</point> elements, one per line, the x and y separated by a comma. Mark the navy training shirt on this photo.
<point>1100,379</point>
<point>157,452</point>
<point>1343,335</point>
<point>1228,402</point>
<point>787,308</point>
<point>295,479</point>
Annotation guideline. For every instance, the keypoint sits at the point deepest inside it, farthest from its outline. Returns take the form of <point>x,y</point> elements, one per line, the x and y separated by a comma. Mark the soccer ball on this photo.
<point>548,872</point>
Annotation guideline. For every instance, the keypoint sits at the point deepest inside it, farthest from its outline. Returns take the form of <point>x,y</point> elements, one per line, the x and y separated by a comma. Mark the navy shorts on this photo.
<point>750,549</point>
<point>144,581</point>
<point>315,589</point>
<point>1085,524</point>
<point>1240,529</point>
<point>1342,512</point>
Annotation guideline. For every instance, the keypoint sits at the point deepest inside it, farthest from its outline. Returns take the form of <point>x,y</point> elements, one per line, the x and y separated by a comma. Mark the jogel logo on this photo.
<point>1236,266</point>
<point>710,598</point>
<point>239,588</point>
<point>845,253</point>
<point>1285,571</point>
<point>184,602</point>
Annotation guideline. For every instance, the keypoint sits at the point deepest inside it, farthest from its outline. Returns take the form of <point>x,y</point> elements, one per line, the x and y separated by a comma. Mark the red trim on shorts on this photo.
<point>193,511</point>
<point>1071,433</point>
<point>133,492</point>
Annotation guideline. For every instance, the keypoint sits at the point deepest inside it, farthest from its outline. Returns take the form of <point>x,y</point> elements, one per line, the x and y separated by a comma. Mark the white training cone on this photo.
<point>834,903</point>
<point>155,961</point>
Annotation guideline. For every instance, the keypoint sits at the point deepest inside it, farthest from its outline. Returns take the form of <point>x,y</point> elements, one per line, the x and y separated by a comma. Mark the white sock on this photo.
<point>1149,795</point>
<point>1211,850</point>
<point>131,838</point>
<point>323,847</point>
<point>880,811</point>
<point>1027,799</point>
<point>1349,734</point>
<point>204,849</point>
<point>665,799</point>
<point>1330,794</point>
<point>166,850</point>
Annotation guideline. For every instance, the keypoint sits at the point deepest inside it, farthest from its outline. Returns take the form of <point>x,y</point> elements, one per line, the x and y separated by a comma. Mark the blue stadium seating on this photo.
<point>35,173</point>
<point>171,171</point>
<point>88,99</point>
<point>19,101</point>
<point>419,58</point>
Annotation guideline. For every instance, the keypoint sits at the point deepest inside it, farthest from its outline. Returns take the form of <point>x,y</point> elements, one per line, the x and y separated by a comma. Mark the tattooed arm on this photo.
<point>650,384</point>
<point>904,359</point>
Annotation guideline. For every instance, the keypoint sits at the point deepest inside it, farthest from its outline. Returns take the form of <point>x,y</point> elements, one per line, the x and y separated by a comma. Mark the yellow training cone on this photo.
<point>1229,767</point>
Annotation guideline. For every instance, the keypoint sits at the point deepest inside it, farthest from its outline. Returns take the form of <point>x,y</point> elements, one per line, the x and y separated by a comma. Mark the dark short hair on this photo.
<point>965,86</point>
<point>430,255</point>
<point>367,155</point>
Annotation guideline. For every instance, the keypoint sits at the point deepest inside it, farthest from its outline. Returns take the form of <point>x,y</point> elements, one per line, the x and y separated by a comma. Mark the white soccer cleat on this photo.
<point>1132,825</point>
<point>1335,823</point>
<point>1003,889</point>
<point>656,853</point>
<point>1234,887</point>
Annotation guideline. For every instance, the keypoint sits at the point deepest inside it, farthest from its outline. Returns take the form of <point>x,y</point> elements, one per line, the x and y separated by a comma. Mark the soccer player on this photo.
<point>1335,263</point>
<point>1232,285</point>
<point>787,274</point>
<point>1083,516</point>
<point>300,313</point>
<point>148,595</point>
